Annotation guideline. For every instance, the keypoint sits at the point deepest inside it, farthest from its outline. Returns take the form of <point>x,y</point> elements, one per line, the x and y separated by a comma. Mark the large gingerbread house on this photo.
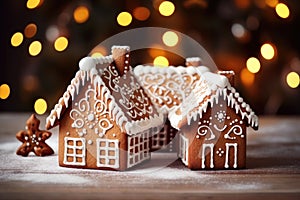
<point>105,117</point>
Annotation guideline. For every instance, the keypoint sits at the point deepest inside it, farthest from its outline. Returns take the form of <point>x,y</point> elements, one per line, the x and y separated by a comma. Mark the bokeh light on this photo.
<point>271,3</point>
<point>161,61</point>
<point>31,4</point>
<point>30,30</point>
<point>16,39</point>
<point>124,18</point>
<point>81,14</point>
<point>247,77</point>
<point>267,51</point>
<point>4,91</point>
<point>282,10</point>
<point>98,51</point>
<point>141,13</point>
<point>52,33</point>
<point>293,79</point>
<point>238,30</point>
<point>253,65</point>
<point>35,48</point>
<point>166,8</point>
<point>61,44</point>
<point>170,38</point>
<point>40,106</point>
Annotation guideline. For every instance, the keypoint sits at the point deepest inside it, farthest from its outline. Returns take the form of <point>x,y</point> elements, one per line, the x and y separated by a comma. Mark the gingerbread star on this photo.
<point>33,139</point>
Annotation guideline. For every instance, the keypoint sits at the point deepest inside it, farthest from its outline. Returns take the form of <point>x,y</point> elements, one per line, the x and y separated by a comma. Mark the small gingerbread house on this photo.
<point>105,117</point>
<point>213,121</point>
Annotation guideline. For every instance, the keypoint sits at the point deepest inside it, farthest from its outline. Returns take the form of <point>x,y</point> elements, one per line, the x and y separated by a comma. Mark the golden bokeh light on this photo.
<point>40,106</point>
<point>124,18</point>
<point>4,91</point>
<point>81,14</point>
<point>253,65</point>
<point>161,61</point>
<point>31,4</point>
<point>272,3</point>
<point>16,39</point>
<point>96,55</point>
<point>247,77</point>
<point>141,13</point>
<point>35,48</point>
<point>293,79</point>
<point>170,38</point>
<point>166,8</point>
<point>30,30</point>
<point>98,51</point>
<point>156,50</point>
<point>267,51</point>
<point>282,10</point>
<point>61,44</point>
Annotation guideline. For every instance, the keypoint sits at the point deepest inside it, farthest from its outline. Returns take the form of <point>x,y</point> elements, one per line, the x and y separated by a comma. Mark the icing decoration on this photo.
<point>236,129</point>
<point>211,150</point>
<point>204,130</point>
<point>228,145</point>
<point>220,152</point>
<point>183,149</point>
<point>160,139</point>
<point>74,151</point>
<point>107,153</point>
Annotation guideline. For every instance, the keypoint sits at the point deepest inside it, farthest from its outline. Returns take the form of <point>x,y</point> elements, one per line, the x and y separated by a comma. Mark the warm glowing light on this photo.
<point>61,44</point>
<point>293,79</point>
<point>81,14</point>
<point>4,91</point>
<point>141,13</point>
<point>30,30</point>
<point>16,39</point>
<point>253,65</point>
<point>161,61</point>
<point>238,30</point>
<point>156,50</point>
<point>272,3</point>
<point>124,18</point>
<point>267,51</point>
<point>52,33</point>
<point>166,8</point>
<point>35,48</point>
<point>247,77</point>
<point>31,4</point>
<point>170,38</point>
<point>40,106</point>
<point>96,55</point>
<point>282,10</point>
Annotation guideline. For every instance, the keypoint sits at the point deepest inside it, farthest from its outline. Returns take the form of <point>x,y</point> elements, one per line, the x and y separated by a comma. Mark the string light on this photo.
<point>253,65</point>
<point>141,13</point>
<point>30,30</point>
<point>267,51</point>
<point>16,39</point>
<point>40,106</point>
<point>4,91</point>
<point>282,10</point>
<point>61,44</point>
<point>124,18</point>
<point>35,48</point>
<point>52,33</point>
<point>247,77</point>
<point>166,8</point>
<point>31,4</point>
<point>238,30</point>
<point>293,79</point>
<point>170,38</point>
<point>161,61</point>
<point>81,14</point>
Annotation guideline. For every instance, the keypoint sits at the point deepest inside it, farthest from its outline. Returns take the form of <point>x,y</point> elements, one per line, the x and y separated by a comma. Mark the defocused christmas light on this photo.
<point>238,30</point>
<point>35,48</point>
<point>161,61</point>
<point>40,106</point>
<point>141,13</point>
<point>293,79</point>
<point>52,33</point>
<point>156,50</point>
<point>166,8</point>
<point>4,91</point>
<point>61,44</point>
<point>282,10</point>
<point>271,3</point>
<point>170,38</point>
<point>81,14</point>
<point>16,39</point>
<point>31,4</point>
<point>30,30</point>
<point>98,51</point>
<point>124,18</point>
<point>247,77</point>
<point>267,51</point>
<point>253,65</point>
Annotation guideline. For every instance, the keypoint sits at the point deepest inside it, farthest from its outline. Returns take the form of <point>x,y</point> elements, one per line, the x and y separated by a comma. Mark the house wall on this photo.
<point>207,139</point>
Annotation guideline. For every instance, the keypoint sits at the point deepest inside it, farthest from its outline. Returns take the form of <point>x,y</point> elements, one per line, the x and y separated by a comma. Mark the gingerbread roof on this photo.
<point>115,84</point>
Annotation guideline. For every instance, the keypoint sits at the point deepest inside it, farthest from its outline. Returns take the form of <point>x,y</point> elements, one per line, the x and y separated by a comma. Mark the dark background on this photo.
<point>208,22</point>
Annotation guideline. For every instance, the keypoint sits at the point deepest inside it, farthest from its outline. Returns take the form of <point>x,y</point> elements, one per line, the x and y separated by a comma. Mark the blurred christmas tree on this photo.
<point>43,41</point>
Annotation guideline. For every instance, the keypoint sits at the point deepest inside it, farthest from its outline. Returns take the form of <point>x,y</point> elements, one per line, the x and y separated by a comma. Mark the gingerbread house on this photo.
<point>105,117</point>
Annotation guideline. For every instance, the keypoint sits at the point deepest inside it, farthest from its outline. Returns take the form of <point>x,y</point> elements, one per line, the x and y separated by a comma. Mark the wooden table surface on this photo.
<point>273,170</point>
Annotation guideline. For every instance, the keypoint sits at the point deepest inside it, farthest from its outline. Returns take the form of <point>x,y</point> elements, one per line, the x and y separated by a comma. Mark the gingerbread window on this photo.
<point>138,148</point>
<point>183,149</point>
<point>160,139</point>
<point>107,153</point>
<point>74,151</point>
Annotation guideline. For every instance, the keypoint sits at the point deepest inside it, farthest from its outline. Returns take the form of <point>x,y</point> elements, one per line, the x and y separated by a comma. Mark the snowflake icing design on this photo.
<point>221,116</point>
